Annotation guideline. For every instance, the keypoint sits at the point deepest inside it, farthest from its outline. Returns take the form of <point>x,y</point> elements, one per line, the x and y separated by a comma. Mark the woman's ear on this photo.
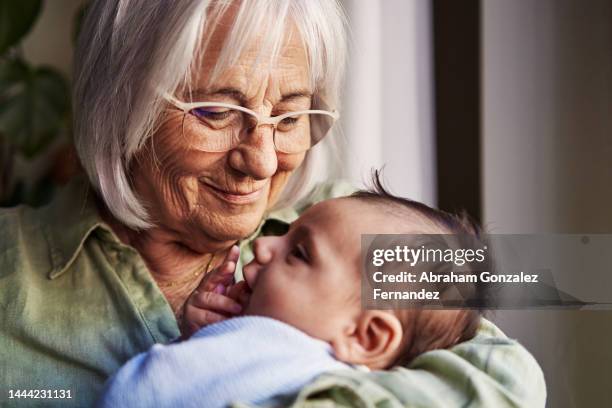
<point>373,341</point>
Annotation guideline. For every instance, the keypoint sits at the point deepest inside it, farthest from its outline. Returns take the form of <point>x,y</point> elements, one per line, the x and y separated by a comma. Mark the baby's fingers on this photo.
<point>223,275</point>
<point>197,318</point>
<point>215,301</point>
<point>232,255</point>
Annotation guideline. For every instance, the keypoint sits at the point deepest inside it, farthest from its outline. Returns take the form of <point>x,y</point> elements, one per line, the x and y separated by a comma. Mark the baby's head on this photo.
<point>310,278</point>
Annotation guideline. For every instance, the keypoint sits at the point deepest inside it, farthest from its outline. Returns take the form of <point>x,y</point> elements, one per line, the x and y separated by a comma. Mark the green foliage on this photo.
<point>33,105</point>
<point>16,19</point>
<point>37,195</point>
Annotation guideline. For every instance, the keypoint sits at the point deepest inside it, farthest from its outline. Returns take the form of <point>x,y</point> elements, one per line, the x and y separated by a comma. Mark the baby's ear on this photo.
<point>373,341</point>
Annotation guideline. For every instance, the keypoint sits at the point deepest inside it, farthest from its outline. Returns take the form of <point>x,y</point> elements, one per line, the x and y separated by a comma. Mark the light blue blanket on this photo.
<point>246,359</point>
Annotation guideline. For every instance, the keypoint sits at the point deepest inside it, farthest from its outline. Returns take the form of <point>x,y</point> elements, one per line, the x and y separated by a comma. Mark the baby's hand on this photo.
<point>216,298</point>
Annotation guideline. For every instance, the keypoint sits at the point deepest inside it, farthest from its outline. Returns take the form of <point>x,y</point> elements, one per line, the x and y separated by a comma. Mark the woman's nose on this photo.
<point>256,155</point>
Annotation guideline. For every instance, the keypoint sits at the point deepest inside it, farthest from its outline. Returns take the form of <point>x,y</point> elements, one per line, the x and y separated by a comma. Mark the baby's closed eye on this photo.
<point>299,251</point>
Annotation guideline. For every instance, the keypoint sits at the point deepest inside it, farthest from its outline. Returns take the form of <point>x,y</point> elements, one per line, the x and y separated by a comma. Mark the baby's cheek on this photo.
<point>268,299</point>
<point>287,304</point>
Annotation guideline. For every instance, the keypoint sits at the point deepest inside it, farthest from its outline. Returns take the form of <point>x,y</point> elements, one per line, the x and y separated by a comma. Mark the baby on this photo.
<point>301,314</point>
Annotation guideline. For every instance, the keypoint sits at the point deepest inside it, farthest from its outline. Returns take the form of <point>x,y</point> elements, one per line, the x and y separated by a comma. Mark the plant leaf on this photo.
<point>16,19</point>
<point>33,104</point>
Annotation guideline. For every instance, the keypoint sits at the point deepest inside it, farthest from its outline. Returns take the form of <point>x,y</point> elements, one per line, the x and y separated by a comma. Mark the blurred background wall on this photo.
<point>547,165</point>
<point>388,113</point>
<point>501,107</point>
<point>51,39</point>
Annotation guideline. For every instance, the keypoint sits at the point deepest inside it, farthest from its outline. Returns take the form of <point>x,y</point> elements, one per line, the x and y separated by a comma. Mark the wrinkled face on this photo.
<point>221,197</point>
<point>309,277</point>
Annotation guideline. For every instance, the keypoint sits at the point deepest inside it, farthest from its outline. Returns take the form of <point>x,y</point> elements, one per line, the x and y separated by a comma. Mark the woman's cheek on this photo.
<point>174,169</point>
<point>290,162</point>
<point>287,164</point>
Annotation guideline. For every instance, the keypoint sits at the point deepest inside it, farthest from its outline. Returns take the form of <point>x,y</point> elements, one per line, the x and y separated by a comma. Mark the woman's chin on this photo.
<point>230,227</point>
<point>230,218</point>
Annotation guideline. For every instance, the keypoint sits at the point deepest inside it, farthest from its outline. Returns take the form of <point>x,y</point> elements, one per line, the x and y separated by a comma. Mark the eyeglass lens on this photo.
<point>224,128</point>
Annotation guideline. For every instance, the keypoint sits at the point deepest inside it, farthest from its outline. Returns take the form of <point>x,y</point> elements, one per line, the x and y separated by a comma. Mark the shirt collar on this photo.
<point>68,221</point>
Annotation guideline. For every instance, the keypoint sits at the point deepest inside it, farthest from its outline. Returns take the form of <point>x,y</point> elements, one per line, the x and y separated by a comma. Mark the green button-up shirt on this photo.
<point>76,304</point>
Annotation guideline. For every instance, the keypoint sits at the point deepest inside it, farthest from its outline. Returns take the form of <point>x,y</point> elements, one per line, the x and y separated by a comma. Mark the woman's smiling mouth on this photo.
<point>235,197</point>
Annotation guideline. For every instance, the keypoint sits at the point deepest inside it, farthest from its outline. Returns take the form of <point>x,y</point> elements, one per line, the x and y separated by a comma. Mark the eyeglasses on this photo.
<point>224,126</point>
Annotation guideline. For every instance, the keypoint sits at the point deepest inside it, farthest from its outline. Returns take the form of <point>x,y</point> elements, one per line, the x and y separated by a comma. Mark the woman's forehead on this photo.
<point>246,63</point>
<point>253,76</point>
<point>246,72</point>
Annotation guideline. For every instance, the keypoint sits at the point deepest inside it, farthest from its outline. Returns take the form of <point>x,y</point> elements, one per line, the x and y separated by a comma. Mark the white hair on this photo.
<point>131,52</point>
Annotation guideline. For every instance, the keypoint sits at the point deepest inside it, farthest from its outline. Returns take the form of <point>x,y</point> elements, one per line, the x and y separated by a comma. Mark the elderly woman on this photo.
<point>195,122</point>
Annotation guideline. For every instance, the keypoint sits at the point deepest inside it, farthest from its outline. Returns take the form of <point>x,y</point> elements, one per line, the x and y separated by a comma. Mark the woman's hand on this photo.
<point>217,297</point>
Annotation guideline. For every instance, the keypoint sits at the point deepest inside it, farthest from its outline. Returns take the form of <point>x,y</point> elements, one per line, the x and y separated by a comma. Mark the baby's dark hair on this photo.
<point>426,329</point>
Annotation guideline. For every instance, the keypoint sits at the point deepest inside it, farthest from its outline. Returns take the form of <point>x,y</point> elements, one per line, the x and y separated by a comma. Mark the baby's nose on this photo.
<point>262,249</point>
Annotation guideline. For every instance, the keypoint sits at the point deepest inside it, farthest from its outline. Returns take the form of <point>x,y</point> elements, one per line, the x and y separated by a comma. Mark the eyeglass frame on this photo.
<point>187,107</point>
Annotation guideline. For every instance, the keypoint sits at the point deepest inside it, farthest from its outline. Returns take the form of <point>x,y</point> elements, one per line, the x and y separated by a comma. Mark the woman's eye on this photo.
<point>288,123</point>
<point>300,253</point>
<point>290,120</point>
<point>212,113</point>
